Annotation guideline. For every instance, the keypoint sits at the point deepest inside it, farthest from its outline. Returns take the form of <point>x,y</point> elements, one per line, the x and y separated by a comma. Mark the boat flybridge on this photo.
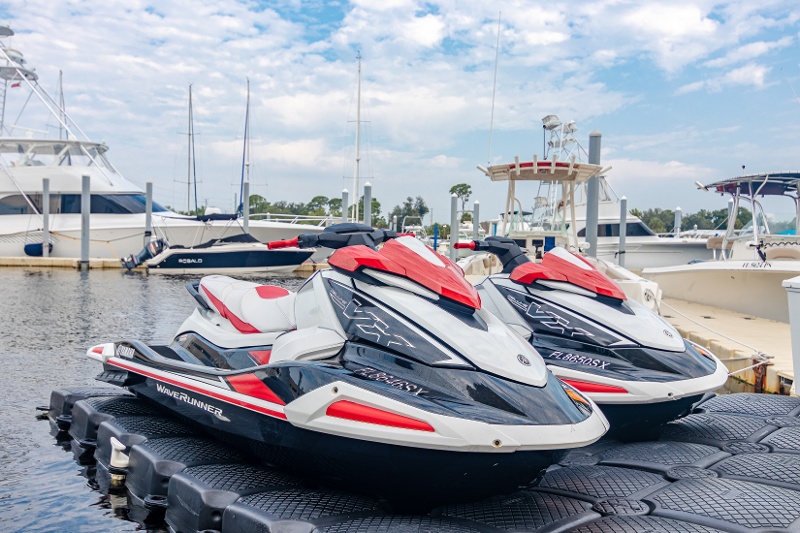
<point>750,263</point>
<point>117,221</point>
<point>552,229</point>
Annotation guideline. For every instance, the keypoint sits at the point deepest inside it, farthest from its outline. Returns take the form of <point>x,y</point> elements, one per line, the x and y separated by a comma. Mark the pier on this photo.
<point>738,340</point>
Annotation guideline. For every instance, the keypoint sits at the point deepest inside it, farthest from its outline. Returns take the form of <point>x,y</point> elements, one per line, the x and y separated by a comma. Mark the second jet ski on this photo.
<point>629,360</point>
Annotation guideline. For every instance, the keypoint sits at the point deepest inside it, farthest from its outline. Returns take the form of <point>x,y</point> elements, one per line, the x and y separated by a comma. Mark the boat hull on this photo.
<point>653,252</point>
<point>748,287</point>
<point>227,260</point>
<point>117,236</point>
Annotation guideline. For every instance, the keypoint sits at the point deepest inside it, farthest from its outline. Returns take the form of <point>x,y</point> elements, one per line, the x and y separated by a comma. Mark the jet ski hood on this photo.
<point>424,266</point>
<point>573,290</point>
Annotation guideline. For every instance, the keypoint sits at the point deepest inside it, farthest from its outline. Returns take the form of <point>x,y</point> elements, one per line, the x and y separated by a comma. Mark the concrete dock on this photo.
<point>57,262</point>
<point>737,339</point>
<point>306,268</point>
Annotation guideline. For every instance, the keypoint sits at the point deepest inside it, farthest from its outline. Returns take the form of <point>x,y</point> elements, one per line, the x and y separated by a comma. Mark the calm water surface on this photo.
<point>48,319</point>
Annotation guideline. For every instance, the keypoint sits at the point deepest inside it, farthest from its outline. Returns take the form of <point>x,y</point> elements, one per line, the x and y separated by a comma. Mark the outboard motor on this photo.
<point>152,249</point>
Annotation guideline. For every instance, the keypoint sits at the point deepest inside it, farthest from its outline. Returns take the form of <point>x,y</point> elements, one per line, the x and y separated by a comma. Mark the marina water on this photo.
<point>48,319</point>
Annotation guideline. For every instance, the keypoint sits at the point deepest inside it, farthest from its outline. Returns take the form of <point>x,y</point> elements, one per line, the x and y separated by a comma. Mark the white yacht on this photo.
<point>117,221</point>
<point>753,262</point>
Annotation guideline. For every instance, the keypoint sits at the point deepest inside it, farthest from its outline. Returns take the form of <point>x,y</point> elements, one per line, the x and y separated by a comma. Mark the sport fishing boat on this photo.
<point>558,205</point>
<point>117,220</point>
<point>625,357</point>
<point>747,274</point>
<point>383,373</point>
<point>559,228</point>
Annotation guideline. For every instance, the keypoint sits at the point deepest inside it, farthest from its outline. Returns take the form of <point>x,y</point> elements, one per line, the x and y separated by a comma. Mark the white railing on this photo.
<point>315,220</point>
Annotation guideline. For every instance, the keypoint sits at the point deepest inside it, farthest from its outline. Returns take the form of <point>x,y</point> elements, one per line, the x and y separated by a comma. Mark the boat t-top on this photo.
<point>750,263</point>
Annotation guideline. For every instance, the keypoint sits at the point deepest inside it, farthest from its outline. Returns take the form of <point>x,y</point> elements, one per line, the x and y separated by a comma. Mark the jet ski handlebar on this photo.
<point>339,236</point>
<point>508,251</point>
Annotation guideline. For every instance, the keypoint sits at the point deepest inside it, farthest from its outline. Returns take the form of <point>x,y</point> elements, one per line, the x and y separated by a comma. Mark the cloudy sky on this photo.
<point>680,90</point>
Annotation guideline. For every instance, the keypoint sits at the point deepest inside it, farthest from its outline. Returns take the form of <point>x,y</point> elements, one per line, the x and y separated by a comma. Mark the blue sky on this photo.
<point>680,90</point>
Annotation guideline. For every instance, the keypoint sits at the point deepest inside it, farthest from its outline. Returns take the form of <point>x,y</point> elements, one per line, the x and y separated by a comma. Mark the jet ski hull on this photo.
<point>408,464</point>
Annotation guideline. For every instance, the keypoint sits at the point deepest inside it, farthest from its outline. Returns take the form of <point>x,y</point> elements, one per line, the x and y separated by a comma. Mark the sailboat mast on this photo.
<point>358,143</point>
<point>245,153</point>
<point>61,107</point>
<point>189,157</point>
<point>191,168</point>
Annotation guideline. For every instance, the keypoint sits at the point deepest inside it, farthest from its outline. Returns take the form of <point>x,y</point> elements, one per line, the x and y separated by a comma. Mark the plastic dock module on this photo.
<point>731,466</point>
<point>130,430</point>
<point>155,461</point>
<point>199,495</point>
<point>62,401</point>
<point>88,414</point>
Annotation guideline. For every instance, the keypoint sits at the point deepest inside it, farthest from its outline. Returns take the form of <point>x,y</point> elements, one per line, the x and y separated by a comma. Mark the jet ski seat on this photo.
<point>250,307</point>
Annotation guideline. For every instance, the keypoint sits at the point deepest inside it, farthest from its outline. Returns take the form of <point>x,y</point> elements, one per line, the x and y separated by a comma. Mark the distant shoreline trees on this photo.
<point>663,220</point>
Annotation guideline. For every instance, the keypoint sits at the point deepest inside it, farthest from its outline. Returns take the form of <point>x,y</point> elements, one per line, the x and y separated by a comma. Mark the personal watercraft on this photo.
<point>383,373</point>
<point>629,360</point>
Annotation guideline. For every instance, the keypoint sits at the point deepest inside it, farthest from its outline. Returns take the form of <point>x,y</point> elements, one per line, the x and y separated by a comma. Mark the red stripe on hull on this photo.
<point>250,385</point>
<point>218,396</point>
<point>362,413</point>
<point>585,386</point>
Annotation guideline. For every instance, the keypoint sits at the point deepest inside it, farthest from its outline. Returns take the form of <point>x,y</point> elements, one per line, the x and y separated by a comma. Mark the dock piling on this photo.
<point>345,204</point>
<point>475,220</point>
<point>368,204</point>
<point>148,212</point>
<point>45,217</point>
<point>453,225</point>
<point>593,194</point>
<point>85,210</point>
<point>623,230</point>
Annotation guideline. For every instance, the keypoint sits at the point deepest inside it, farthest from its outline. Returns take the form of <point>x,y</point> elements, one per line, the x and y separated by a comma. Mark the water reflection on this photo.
<point>48,319</point>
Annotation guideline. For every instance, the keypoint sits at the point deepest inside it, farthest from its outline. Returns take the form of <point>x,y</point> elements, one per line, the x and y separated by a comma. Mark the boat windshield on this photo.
<point>116,204</point>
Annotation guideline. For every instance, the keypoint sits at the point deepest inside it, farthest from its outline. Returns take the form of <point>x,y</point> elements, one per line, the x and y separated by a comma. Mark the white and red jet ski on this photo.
<point>383,373</point>
<point>626,358</point>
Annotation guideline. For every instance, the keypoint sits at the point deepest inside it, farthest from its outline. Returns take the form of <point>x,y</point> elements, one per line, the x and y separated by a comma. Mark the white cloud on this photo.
<point>427,87</point>
<point>749,51</point>
<point>426,31</point>
<point>750,74</point>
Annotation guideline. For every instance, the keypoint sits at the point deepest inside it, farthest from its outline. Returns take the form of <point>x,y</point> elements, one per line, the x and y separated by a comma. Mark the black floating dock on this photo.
<point>732,466</point>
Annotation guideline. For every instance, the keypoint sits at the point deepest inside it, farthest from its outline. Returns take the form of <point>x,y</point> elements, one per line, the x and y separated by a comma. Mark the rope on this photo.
<point>757,354</point>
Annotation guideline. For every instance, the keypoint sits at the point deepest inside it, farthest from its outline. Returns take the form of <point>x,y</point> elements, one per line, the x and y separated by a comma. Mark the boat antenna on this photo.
<point>61,107</point>
<point>791,87</point>
<point>494,85</point>
<point>358,142</point>
<point>245,153</point>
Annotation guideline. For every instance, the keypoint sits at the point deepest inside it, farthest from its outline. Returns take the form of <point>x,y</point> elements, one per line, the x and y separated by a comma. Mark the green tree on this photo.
<point>335,207</point>
<point>662,220</point>
<point>377,220</point>
<point>318,205</point>
<point>411,207</point>
<point>462,190</point>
